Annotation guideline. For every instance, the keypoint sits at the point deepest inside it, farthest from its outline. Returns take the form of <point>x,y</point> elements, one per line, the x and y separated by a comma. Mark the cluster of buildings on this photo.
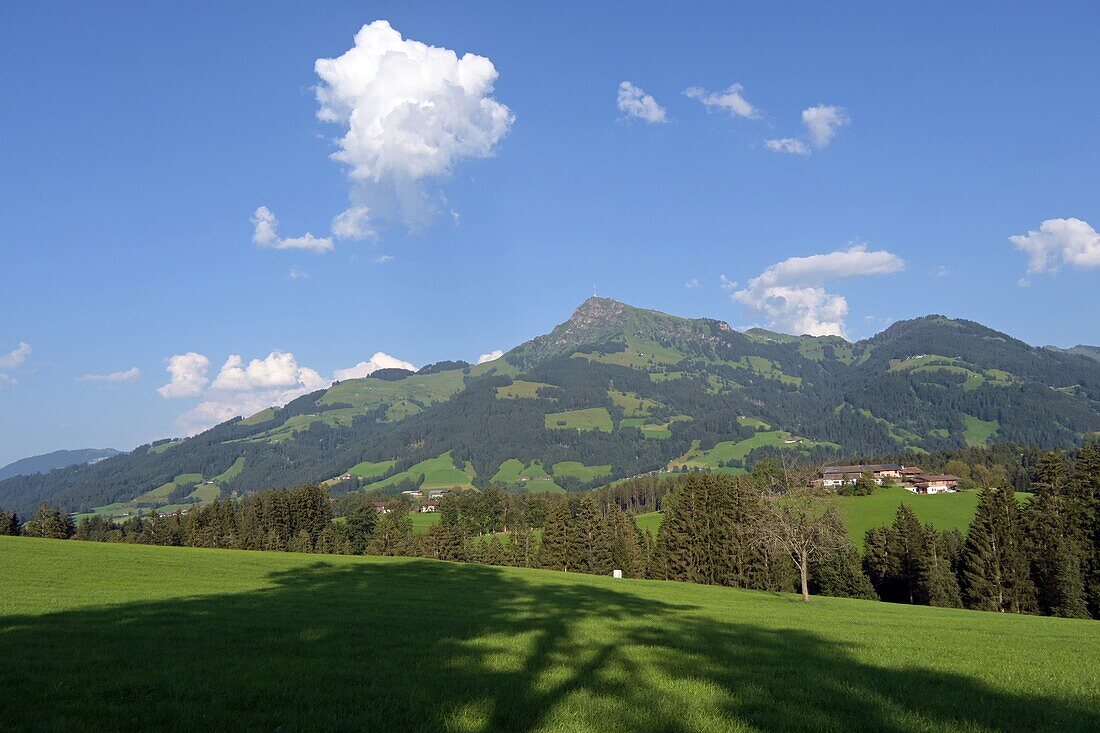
<point>431,504</point>
<point>911,478</point>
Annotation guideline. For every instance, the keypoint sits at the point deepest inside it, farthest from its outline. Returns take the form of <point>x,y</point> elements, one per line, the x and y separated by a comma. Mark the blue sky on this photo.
<point>140,141</point>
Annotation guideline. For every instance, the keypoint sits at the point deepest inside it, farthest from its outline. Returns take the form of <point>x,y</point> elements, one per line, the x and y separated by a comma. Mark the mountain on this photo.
<point>58,459</point>
<point>615,391</point>
<point>1093,352</point>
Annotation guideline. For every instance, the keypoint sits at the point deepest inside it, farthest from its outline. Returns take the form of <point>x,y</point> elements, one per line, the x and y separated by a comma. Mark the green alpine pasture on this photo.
<point>366,469</point>
<point>979,432</point>
<point>590,418</point>
<point>521,390</point>
<point>861,513</point>
<point>532,478</point>
<point>109,637</point>
<point>728,450</point>
<point>438,472</point>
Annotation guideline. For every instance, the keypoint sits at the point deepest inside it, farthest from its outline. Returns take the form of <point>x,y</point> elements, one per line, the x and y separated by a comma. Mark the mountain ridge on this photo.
<point>611,392</point>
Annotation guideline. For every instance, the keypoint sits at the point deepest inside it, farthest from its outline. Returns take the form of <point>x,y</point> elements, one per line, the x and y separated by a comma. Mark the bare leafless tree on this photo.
<point>799,519</point>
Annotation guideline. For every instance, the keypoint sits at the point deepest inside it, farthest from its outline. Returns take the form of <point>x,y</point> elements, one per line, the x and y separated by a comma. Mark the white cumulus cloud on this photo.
<point>409,112</point>
<point>731,100</point>
<point>822,123</point>
<point>792,297</point>
<point>634,102</point>
<point>787,145</point>
<point>188,375</point>
<point>266,235</point>
<point>129,375</point>
<point>279,370</point>
<point>1060,242</point>
<point>16,356</point>
<point>491,356</point>
<point>380,360</point>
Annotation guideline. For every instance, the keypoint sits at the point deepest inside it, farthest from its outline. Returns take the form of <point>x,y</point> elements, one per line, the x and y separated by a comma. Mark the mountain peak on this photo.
<point>603,320</point>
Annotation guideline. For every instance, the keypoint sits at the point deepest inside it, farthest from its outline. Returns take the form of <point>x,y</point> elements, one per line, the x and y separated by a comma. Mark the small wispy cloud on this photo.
<point>693,284</point>
<point>732,101</point>
<point>634,102</point>
<point>381,260</point>
<point>132,374</point>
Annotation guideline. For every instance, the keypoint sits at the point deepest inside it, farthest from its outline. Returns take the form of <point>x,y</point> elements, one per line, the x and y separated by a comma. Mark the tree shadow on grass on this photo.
<point>420,645</point>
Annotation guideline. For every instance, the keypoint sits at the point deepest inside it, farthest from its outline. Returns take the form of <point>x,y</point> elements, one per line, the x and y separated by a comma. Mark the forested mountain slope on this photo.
<point>616,391</point>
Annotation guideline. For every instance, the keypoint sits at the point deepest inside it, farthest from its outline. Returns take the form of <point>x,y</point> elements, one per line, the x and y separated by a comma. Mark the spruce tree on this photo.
<point>995,571</point>
<point>556,550</point>
<point>591,543</point>
<point>1055,559</point>
<point>908,549</point>
<point>1086,492</point>
<point>939,583</point>
<point>359,527</point>
<point>301,542</point>
<point>876,560</point>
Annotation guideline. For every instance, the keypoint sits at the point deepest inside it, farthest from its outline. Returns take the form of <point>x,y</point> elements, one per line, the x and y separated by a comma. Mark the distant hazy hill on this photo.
<point>1093,352</point>
<point>58,459</point>
<point>616,391</point>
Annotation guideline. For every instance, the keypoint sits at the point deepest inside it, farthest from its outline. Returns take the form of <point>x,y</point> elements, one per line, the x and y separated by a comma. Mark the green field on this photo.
<point>580,471</point>
<point>366,469</point>
<point>132,637</point>
<point>591,418</point>
<point>861,513</point>
<point>649,521</point>
<point>728,450</point>
<point>422,520</point>
<point>232,472</point>
<point>979,432</point>
<point>520,390</point>
<point>533,478</point>
<point>439,473</point>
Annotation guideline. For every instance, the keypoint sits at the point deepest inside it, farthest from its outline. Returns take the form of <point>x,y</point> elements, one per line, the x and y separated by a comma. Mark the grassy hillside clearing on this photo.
<point>729,450</point>
<point>366,469</point>
<point>578,470</point>
<point>861,513</point>
<point>979,432</point>
<point>438,472</point>
<point>533,478</point>
<point>591,418</point>
<point>232,472</point>
<point>520,390</point>
<point>193,639</point>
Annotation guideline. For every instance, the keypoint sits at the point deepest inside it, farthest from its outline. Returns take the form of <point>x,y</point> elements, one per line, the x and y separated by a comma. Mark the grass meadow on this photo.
<point>117,637</point>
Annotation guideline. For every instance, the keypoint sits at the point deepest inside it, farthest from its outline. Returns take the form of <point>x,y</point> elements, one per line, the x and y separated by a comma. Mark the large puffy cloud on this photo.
<point>279,370</point>
<point>188,375</point>
<point>822,123</point>
<point>731,100</point>
<point>1060,242</point>
<point>380,360</point>
<point>792,296</point>
<point>491,356</point>
<point>266,234</point>
<point>16,356</point>
<point>635,102</point>
<point>409,112</point>
<point>132,374</point>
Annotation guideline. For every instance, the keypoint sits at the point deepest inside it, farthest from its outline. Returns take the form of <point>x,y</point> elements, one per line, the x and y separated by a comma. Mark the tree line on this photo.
<point>763,530</point>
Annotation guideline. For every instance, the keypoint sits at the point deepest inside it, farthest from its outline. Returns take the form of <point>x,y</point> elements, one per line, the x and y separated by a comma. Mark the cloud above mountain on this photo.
<point>380,360</point>
<point>245,388</point>
<point>409,112</point>
<point>1060,242</point>
<point>792,297</point>
<point>491,356</point>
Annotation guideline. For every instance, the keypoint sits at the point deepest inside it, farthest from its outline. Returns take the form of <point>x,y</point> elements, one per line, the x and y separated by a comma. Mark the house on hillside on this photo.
<point>430,506</point>
<point>412,493</point>
<point>936,483</point>
<point>381,508</point>
<point>834,476</point>
<point>438,493</point>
